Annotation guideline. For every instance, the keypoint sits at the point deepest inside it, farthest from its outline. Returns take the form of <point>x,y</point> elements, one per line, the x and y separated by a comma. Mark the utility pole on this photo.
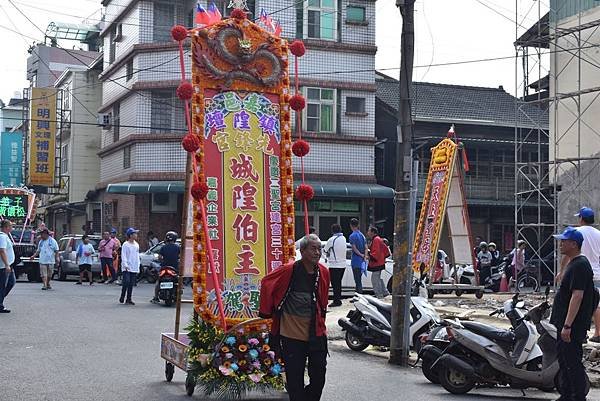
<point>399,344</point>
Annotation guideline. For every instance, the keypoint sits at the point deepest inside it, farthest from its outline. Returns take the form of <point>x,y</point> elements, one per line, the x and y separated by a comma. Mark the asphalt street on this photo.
<point>78,343</point>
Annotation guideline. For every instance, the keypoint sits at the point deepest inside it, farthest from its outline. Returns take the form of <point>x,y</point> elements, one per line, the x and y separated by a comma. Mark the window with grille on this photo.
<point>355,14</point>
<point>225,12</point>
<point>64,159</point>
<point>116,121</point>
<point>127,157</point>
<point>112,47</point>
<point>320,19</point>
<point>355,105</point>
<point>129,70</point>
<point>320,110</point>
<point>162,111</point>
<point>164,19</point>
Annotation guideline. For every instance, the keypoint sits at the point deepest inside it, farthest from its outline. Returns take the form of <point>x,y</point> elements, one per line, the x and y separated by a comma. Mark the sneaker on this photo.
<point>130,302</point>
<point>78,283</point>
<point>91,283</point>
<point>155,301</point>
<point>334,304</point>
<point>4,310</point>
<point>44,288</point>
<point>121,300</point>
<point>102,281</point>
<point>49,287</point>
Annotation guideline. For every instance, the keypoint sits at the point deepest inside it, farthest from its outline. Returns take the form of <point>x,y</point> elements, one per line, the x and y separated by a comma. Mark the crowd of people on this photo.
<point>118,260</point>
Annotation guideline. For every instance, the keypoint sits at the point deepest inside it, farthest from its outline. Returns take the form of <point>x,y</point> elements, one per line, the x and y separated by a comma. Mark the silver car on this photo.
<point>67,250</point>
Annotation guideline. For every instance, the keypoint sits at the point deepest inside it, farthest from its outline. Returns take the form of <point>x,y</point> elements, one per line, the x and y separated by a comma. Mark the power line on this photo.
<point>98,125</point>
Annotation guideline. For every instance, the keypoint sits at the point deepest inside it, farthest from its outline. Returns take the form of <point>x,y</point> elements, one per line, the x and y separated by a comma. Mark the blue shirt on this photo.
<point>81,252</point>
<point>357,239</point>
<point>47,250</point>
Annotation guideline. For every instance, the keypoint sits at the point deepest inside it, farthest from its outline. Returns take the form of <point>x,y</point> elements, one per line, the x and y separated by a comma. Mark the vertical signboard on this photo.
<point>433,210</point>
<point>11,158</point>
<point>241,115</point>
<point>42,137</point>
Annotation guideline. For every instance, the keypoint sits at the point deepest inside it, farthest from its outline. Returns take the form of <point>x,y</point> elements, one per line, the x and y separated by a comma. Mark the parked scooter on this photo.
<point>438,340</point>
<point>529,360</point>
<point>370,322</point>
<point>168,282</point>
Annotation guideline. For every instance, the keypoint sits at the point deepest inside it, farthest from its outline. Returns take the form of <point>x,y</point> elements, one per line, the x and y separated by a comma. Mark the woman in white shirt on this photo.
<point>130,264</point>
<point>335,252</point>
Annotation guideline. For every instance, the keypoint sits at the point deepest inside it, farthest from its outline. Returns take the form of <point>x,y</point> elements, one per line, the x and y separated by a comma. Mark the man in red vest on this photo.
<point>295,297</point>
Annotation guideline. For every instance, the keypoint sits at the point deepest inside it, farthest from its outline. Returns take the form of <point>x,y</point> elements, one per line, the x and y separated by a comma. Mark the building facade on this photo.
<point>74,205</point>
<point>484,120</point>
<point>142,162</point>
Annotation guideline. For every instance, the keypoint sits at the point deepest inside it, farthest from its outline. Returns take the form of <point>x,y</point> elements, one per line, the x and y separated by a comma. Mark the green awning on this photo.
<point>349,190</point>
<point>146,187</point>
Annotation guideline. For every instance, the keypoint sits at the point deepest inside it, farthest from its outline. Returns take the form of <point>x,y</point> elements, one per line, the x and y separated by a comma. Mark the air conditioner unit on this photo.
<point>164,203</point>
<point>105,120</point>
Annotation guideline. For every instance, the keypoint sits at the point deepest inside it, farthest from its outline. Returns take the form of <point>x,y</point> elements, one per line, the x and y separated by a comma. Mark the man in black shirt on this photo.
<point>571,314</point>
<point>169,257</point>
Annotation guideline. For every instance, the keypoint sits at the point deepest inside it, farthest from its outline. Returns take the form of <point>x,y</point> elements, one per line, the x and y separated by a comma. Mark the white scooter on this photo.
<point>370,322</point>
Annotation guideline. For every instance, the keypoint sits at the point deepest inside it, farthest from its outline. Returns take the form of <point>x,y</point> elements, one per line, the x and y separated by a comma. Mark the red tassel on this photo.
<point>465,160</point>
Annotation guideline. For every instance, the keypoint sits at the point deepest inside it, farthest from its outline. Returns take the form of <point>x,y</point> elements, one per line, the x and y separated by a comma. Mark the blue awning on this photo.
<point>146,187</point>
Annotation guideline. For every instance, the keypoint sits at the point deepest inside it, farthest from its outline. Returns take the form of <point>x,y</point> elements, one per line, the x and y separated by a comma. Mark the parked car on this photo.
<point>348,279</point>
<point>150,256</point>
<point>25,247</point>
<point>67,248</point>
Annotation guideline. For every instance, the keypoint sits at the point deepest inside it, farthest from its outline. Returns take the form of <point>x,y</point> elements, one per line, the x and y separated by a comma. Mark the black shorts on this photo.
<point>85,268</point>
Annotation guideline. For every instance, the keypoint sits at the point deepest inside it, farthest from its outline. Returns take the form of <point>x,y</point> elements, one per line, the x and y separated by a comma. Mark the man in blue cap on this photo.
<point>591,250</point>
<point>571,313</point>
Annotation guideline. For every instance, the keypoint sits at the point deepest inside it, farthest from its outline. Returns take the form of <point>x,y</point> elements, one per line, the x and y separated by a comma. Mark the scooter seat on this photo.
<point>490,332</point>
<point>379,304</point>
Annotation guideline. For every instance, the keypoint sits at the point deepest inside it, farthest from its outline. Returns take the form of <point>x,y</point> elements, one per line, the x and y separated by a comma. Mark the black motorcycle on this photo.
<point>168,285</point>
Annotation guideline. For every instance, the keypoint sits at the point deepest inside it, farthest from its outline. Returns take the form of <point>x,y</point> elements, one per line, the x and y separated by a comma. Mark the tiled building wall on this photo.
<point>159,157</point>
<point>335,158</point>
<point>330,66</point>
<point>111,165</point>
<point>358,125</point>
<point>360,34</point>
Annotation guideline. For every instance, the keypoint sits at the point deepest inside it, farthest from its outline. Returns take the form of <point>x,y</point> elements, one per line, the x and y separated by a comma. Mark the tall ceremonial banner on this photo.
<point>42,136</point>
<point>433,210</point>
<point>241,115</point>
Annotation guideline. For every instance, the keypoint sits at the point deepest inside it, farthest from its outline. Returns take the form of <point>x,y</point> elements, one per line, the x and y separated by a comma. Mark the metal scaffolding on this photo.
<point>555,58</point>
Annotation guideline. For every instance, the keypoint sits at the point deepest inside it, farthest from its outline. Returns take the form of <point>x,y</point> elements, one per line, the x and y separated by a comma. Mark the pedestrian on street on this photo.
<point>335,252</point>
<point>47,250</point>
<point>591,250</point>
<point>359,254</point>
<point>295,297</point>
<point>130,263</point>
<point>517,264</point>
<point>107,248</point>
<point>116,252</point>
<point>495,254</point>
<point>83,258</point>
<point>7,258</point>
<point>378,252</point>
<point>484,261</point>
<point>571,313</point>
<point>152,239</point>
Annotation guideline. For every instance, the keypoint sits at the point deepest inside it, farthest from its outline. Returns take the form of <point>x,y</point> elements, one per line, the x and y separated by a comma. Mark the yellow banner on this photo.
<point>42,136</point>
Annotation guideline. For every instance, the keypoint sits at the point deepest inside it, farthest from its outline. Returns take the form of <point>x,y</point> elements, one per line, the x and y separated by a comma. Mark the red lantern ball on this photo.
<point>185,90</point>
<point>297,48</point>
<point>199,190</point>
<point>179,32</point>
<point>297,102</point>
<point>305,192</point>
<point>190,143</point>
<point>300,148</point>
<point>238,13</point>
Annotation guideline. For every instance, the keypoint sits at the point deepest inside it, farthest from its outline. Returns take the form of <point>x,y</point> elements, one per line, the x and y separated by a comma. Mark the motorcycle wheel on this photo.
<point>455,382</point>
<point>151,277</point>
<point>429,374</point>
<point>355,343</point>
<point>168,301</point>
<point>458,293</point>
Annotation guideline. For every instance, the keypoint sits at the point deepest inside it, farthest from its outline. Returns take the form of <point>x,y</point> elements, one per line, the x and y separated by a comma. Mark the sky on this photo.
<point>445,32</point>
